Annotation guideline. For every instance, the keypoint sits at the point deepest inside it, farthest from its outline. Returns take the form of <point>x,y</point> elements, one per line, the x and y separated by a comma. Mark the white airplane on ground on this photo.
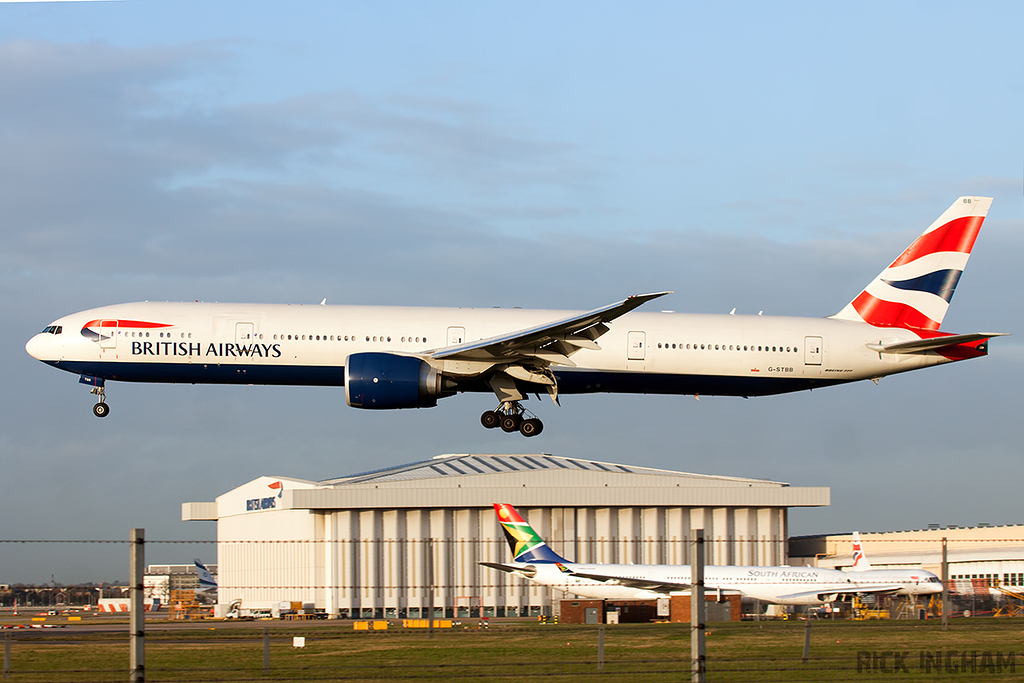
<point>395,357</point>
<point>861,570</point>
<point>783,585</point>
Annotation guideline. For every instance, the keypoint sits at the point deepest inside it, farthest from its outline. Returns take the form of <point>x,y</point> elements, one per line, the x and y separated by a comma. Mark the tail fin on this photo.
<point>860,560</point>
<point>915,290</point>
<point>206,580</point>
<point>525,543</point>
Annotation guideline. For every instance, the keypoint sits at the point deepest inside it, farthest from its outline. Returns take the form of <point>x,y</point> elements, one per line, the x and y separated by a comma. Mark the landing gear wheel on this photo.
<point>510,423</point>
<point>531,427</point>
<point>490,419</point>
<point>101,409</point>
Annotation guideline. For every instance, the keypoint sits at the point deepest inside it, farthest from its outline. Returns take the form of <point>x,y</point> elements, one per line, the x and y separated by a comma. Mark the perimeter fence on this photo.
<point>44,643</point>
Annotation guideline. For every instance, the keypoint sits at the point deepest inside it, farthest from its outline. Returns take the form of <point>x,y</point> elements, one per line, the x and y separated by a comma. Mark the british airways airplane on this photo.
<point>784,585</point>
<point>399,357</point>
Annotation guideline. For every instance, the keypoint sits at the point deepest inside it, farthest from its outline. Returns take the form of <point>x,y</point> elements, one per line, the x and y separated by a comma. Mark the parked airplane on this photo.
<point>395,357</point>
<point>861,571</point>
<point>783,585</point>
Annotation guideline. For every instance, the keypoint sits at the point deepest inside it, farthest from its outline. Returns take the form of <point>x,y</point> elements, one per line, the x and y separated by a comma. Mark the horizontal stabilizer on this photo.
<point>527,570</point>
<point>922,345</point>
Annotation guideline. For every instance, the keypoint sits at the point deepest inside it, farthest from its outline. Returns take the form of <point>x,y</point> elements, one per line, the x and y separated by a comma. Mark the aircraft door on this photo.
<point>635,343</point>
<point>813,348</point>
<point>456,335</point>
<point>108,334</point>
<point>244,332</point>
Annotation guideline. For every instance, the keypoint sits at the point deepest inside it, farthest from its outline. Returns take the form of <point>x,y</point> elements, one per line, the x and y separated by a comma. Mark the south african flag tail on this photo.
<point>526,544</point>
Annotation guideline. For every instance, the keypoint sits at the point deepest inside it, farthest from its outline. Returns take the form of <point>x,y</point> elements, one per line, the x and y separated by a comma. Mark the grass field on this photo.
<point>971,649</point>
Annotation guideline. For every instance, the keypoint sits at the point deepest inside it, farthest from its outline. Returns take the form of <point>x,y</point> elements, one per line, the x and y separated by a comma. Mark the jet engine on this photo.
<point>383,381</point>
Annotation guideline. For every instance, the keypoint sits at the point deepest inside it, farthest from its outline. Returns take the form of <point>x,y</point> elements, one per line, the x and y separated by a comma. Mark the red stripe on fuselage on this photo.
<point>883,313</point>
<point>957,235</point>
<point>125,323</point>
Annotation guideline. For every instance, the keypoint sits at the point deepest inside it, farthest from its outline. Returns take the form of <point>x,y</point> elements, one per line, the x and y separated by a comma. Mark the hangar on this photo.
<point>393,542</point>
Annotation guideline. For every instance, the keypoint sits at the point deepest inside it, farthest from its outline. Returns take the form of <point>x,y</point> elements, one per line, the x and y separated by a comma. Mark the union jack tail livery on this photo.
<point>526,544</point>
<point>860,560</point>
<point>915,290</point>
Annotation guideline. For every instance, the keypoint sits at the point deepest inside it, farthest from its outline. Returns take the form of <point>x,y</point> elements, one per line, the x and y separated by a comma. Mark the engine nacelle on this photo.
<point>384,381</point>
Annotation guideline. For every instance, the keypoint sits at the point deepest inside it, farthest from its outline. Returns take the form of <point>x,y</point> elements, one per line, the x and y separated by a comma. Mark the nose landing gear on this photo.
<point>512,417</point>
<point>101,409</point>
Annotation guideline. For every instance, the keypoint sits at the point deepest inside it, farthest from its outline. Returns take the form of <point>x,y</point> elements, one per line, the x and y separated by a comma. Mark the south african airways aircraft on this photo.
<point>400,357</point>
<point>534,560</point>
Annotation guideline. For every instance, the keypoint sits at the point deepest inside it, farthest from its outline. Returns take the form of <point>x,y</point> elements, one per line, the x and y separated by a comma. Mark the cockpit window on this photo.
<point>52,329</point>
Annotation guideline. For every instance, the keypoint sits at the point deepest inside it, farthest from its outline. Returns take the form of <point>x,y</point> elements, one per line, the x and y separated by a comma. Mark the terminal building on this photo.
<point>395,542</point>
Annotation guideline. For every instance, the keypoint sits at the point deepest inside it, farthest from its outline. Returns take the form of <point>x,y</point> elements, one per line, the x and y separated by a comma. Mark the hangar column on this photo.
<point>441,534</point>
<point>330,524</point>
<point>347,554</point>
<point>394,556</point>
<point>676,526</point>
<point>418,530</point>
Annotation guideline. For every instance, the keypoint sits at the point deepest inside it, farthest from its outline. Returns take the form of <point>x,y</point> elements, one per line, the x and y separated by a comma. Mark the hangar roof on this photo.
<point>469,464</point>
<point>528,480</point>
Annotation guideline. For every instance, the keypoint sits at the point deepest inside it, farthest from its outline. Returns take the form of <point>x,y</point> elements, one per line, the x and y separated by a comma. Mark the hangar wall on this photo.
<point>359,546</point>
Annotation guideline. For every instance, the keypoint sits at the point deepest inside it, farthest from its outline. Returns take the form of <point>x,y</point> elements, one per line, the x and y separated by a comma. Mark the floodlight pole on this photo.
<point>137,614</point>
<point>698,609</point>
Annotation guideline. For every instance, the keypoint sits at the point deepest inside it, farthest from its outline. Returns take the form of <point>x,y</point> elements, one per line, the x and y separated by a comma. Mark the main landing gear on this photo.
<point>512,417</point>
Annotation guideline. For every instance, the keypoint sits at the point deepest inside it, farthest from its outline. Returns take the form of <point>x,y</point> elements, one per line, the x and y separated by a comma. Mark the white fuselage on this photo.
<point>781,585</point>
<point>668,353</point>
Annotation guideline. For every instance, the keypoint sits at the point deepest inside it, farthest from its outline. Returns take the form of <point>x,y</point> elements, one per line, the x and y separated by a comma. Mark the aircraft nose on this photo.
<point>35,347</point>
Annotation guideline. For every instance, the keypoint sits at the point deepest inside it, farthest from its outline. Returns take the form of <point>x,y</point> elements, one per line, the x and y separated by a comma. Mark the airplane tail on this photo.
<point>915,290</point>
<point>206,580</point>
<point>525,543</point>
<point>860,560</point>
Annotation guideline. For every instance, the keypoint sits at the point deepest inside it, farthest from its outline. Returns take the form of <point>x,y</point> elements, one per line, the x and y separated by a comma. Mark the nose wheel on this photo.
<point>101,409</point>
<point>510,416</point>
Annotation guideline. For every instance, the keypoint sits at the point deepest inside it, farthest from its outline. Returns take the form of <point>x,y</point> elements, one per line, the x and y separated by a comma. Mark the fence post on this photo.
<point>7,655</point>
<point>807,639</point>
<point>137,615</point>
<point>945,586</point>
<point>698,609</point>
<point>600,644</point>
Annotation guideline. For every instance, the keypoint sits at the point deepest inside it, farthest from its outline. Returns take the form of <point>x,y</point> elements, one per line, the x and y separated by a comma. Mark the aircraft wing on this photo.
<point>550,343</point>
<point>853,589</point>
<point>527,355</point>
<point>922,345</point>
<point>643,584</point>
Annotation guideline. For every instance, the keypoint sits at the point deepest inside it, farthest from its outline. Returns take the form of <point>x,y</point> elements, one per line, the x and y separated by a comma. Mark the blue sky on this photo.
<point>764,157</point>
